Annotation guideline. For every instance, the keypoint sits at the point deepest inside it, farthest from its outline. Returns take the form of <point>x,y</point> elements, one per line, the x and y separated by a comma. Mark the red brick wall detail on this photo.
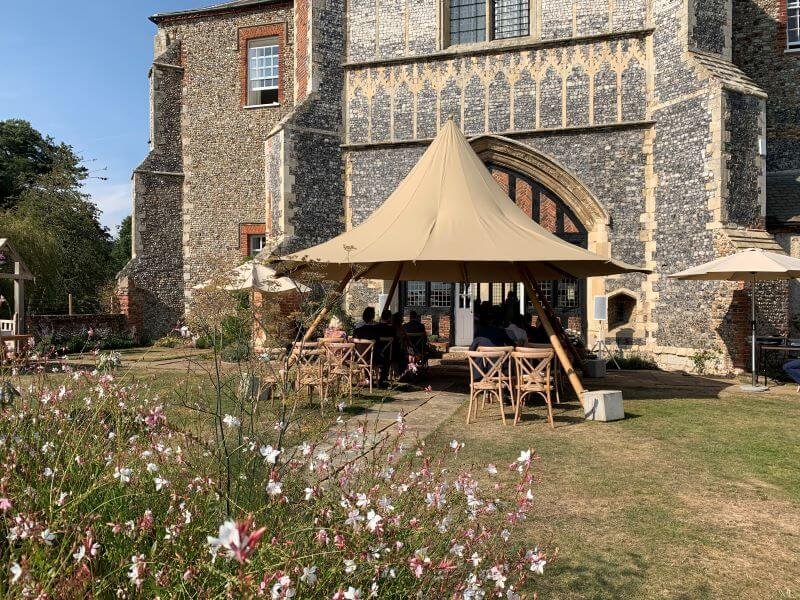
<point>302,60</point>
<point>247,229</point>
<point>250,33</point>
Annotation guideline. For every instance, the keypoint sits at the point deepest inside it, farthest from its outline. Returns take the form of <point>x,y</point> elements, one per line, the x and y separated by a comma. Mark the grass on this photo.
<point>694,495</point>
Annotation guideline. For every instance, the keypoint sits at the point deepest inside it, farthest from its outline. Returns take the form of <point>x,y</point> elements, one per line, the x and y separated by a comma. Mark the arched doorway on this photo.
<point>567,296</point>
<point>557,200</point>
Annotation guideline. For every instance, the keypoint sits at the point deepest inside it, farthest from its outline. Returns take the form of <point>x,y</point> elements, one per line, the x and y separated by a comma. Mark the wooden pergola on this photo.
<point>13,267</point>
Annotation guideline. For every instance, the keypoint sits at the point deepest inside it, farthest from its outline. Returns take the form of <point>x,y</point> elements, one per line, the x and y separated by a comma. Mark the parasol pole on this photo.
<point>561,353</point>
<point>753,329</point>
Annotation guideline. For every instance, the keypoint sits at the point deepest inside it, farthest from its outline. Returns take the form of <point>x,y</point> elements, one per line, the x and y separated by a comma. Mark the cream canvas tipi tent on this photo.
<point>449,220</point>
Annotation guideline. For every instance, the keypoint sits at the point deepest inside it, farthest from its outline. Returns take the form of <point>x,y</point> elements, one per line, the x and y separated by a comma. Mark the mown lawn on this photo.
<point>688,497</point>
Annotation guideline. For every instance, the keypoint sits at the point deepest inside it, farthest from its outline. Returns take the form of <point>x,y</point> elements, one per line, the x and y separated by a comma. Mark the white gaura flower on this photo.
<point>352,594</point>
<point>160,483</point>
<point>152,467</point>
<point>270,454</point>
<point>523,459</point>
<point>80,554</point>
<point>306,449</point>
<point>48,472</point>
<point>16,572</point>
<point>309,493</point>
<point>349,566</point>
<point>228,537</point>
<point>274,488</point>
<point>309,575</point>
<point>48,537</point>
<point>231,421</point>
<point>505,534</point>
<point>476,559</point>
<point>123,474</point>
<point>373,520</point>
<point>491,469</point>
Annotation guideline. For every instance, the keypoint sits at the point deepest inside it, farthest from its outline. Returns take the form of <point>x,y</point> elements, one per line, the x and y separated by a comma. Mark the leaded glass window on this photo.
<point>415,293</point>
<point>467,21</point>
<point>441,294</point>
<point>511,18</point>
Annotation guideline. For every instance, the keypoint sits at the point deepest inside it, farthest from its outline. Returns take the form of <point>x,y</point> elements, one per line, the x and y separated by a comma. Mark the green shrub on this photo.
<point>634,361</point>
<point>236,352</point>
<point>170,341</point>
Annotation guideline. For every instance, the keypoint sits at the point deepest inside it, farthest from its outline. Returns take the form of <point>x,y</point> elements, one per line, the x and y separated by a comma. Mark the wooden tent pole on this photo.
<point>561,353</point>
<point>325,310</point>
<point>393,287</point>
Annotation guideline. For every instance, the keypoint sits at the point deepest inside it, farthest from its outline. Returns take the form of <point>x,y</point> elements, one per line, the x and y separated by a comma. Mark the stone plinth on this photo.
<point>603,405</point>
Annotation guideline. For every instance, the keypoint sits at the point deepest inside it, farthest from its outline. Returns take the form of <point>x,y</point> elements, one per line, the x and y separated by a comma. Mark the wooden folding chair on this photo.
<point>558,375</point>
<point>340,357</point>
<point>486,375</point>
<point>270,366</point>
<point>362,360</point>
<point>533,375</point>
<point>505,373</point>
<point>311,373</point>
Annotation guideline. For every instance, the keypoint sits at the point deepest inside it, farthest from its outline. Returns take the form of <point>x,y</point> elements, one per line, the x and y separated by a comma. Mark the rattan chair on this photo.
<point>558,374</point>
<point>533,375</point>
<point>341,367</point>
<point>311,373</point>
<point>362,360</point>
<point>506,373</point>
<point>486,377</point>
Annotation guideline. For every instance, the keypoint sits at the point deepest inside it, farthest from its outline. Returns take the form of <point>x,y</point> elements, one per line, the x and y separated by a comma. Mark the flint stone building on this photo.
<point>661,132</point>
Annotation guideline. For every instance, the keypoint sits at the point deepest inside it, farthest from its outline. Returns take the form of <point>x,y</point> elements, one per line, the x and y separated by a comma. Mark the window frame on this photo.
<point>489,24</point>
<point>427,296</point>
<point>251,237</point>
<point>792,14</point>
<point>247,35</point>
<point>263,67</point>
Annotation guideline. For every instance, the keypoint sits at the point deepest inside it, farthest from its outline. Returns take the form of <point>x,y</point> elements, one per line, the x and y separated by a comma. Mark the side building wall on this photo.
<point>204,178</point>
<point>302,154</point>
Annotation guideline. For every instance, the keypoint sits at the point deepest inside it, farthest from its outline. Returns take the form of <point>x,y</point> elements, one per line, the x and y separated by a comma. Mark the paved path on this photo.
<point>423,411</point>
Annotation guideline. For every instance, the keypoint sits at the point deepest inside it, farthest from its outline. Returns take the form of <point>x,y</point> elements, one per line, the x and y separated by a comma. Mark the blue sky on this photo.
<point>77,70</point>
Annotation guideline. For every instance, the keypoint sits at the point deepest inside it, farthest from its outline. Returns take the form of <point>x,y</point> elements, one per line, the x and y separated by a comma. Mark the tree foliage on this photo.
<point>53,225</point>
<point>26,155</point>
<point>121,247</point>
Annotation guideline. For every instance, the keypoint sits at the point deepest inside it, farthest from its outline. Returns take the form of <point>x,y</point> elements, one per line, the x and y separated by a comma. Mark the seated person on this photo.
<point>517,334</point>
<point>792,369</point>
<point>488,328</point>
<point>335,329</point>
<point>364,327</point>
<point>414,324</point>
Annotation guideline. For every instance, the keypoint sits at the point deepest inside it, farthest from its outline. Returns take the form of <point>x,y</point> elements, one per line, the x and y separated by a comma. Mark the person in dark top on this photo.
<point>370,330</point>
<point>367,317</point>
<point>414,324</point>
<point>489,329</point>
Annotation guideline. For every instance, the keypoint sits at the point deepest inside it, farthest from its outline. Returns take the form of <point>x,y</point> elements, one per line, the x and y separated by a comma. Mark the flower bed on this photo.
<point>102,494</point>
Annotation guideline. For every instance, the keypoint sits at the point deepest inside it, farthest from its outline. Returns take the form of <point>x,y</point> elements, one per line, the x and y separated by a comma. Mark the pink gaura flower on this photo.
<point>5,504</point>
<point>238,539</point>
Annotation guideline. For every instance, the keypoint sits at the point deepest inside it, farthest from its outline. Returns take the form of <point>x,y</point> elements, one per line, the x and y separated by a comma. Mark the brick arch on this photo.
<point>550,174</point>
<point>553,176</point>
